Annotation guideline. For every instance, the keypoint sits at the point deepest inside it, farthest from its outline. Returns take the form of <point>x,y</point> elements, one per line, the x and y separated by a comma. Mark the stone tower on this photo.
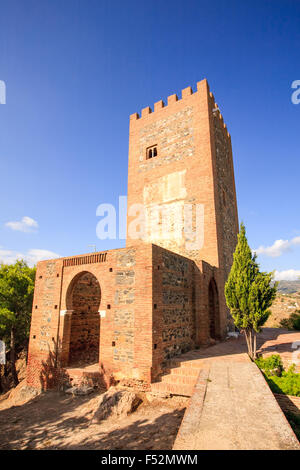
<point>181,175</point>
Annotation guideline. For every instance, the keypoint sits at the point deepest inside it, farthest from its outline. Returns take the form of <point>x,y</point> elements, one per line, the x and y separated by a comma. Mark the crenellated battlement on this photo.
<point>173,99</point>
<point>185,93</point>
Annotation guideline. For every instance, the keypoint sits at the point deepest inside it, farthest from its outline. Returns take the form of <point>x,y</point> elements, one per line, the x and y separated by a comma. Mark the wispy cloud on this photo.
<point>278,248</point>
<point>32,256</point>
<point>288,275</point>
<point>26,224</point>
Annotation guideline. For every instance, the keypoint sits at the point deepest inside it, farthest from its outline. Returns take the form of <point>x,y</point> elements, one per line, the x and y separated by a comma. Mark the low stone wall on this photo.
<point>191,419</point>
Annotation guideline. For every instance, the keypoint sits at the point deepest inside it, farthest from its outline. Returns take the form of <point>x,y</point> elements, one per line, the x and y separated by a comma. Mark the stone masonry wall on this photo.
<point>178,312</point>
<point>174,305</point>
<point>124,314</point>
<point>174,135</point>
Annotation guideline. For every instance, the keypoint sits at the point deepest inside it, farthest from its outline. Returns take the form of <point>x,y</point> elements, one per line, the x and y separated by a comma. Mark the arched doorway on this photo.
<point>83,299</point>
<point>214,314</point>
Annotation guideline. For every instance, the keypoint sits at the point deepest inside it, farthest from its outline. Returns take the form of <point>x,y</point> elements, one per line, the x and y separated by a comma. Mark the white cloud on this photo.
<point>32,256</point>
<point>27,224</point>
<point>288,275</point>
<point>278,248</point>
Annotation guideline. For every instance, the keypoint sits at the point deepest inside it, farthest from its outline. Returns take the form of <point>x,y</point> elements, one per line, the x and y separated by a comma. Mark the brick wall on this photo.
<point>44,325</point>
<point>140,303</point>
<point>68,308</point>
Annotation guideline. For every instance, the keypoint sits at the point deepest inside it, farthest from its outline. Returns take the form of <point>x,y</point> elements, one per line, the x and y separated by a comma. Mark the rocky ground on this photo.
<point>58,421</point>
<point>6,378</point>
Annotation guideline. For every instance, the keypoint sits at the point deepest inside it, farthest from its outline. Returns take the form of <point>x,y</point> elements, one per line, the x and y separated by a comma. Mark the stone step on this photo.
<point>186,371</point>
<point>77,376</point>
<point>190,364</point>
<point>179,379</point>
<point>174,389</point>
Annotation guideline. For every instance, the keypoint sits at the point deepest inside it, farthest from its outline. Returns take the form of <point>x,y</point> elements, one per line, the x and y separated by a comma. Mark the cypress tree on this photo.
<point>249,293</point>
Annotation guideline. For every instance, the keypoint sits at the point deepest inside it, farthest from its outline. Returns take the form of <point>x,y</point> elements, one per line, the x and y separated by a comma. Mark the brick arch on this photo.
<point>74,282</point>
<point>83,299</point>
<point>214,310</point>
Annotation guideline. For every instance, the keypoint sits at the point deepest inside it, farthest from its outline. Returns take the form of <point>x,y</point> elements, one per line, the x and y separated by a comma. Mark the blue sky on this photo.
<point>76,69</point>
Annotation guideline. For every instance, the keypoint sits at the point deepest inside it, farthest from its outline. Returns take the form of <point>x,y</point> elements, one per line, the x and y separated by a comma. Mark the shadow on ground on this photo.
<point>55,421</point>
<point>270,340</point>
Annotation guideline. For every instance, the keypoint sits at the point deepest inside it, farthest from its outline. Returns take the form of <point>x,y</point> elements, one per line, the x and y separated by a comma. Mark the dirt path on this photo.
<point>55,421</point>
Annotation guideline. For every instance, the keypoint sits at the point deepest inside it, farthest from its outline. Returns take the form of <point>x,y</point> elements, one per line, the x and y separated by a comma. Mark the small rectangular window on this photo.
<point>151,152</point>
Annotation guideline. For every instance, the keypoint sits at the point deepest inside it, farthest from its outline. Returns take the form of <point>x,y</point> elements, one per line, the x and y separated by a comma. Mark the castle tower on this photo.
<point>129,310</point>
<point>181,173</point>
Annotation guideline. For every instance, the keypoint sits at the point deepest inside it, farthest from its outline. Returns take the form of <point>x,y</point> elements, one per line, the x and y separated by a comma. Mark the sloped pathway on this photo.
<point>232,407</point>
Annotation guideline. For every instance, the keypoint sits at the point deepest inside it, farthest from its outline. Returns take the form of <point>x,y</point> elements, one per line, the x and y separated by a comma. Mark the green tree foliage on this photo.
<point>16,296</point>
<point>293,322</point>
<point>249,292</point>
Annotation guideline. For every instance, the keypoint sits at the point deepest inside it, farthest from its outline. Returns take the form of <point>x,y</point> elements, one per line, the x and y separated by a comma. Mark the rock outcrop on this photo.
<point>116,403</point>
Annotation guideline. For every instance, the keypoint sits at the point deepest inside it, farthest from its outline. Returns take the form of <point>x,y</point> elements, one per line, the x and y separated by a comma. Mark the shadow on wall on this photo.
<point>54,376</point>
<point>214,310</point>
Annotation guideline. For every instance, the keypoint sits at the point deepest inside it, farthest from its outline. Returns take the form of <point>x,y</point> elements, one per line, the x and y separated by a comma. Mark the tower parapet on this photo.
<point>173,100</point>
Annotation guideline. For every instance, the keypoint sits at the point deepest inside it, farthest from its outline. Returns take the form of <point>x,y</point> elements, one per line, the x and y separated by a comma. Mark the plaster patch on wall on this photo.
<point>164,209</point>
<point>166,189</point>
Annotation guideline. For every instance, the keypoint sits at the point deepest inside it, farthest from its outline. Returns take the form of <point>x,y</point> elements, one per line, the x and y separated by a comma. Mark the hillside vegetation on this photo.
<point>284,306</point>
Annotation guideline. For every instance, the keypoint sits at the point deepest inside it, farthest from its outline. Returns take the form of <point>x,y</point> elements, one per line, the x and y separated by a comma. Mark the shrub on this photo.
<point>279,380</point>
<point>270,365</point>
<point>293,322</point>
<point>288,383</point>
